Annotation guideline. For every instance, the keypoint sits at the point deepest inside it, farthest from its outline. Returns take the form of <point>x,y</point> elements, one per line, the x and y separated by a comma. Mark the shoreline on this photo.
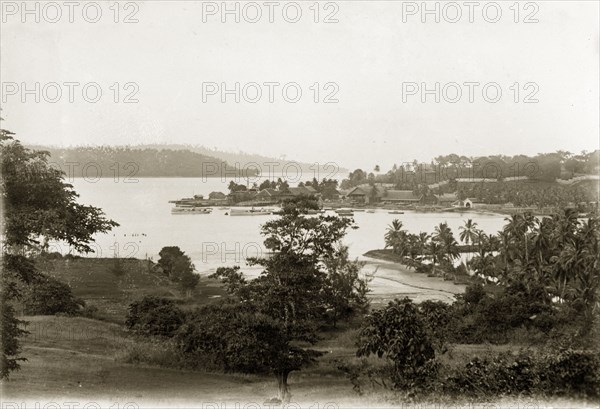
<point>417,286</point>
<point>392,280</point>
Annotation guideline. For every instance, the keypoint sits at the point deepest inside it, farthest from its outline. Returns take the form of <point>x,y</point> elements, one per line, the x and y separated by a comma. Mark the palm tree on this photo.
<point>443,235</point>
<point>467,235</point>
<point>394,236</point>
<point>517,229</point>
<point>541,240</point>
<point>504,245</point>
<point>436,254</point>
<point>422,241</point>
<point>566,225</point>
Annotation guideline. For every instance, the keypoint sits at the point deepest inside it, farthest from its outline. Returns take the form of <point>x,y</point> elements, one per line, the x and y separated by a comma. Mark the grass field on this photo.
<point>94,280</point>
<point>80,359</point>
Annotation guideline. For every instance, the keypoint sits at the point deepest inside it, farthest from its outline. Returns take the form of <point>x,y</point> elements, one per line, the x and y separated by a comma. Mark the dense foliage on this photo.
<point>521,180</point>
<point>544,167</point>
<point>154,316</point>
<point>178,267</point>
<point>534,283</point>
<point>398,333</point>
<point>127,164</point>
<point>38,206</point>
<point>557,256</point>
<point>566,373</point>
<point>49,296</point>
<point>411,338</point>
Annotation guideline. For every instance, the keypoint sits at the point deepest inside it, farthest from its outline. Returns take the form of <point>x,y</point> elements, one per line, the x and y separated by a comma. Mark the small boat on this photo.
<point>358,210</point>
<point>370,211</point>
<point>344,212</point>
<point>396,212</point>
<point>249,212</point>
<point>190,210</point>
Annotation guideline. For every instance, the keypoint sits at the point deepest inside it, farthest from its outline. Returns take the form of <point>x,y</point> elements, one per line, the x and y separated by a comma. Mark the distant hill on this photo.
<point>134,162</point>
<point>178,160</point>
<point>248,160</point>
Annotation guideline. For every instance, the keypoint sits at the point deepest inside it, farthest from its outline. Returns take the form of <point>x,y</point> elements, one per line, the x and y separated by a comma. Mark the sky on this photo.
<point>366,70</point>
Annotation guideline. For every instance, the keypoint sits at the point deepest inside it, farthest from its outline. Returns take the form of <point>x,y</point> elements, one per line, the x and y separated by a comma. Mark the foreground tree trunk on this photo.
<point>284,390</point>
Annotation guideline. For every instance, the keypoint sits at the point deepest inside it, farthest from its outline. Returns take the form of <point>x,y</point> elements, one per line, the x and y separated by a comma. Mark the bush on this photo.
<point>424,268</point>
<point>474,294</point>
<point>89,311</point>
<point>232,337</point>
<point>399,333</point>
<point>515,310</point>
<point>51,255</point>
<point>438,318</point>
<point>48,296</point>
<point>575,373</point>
<point>72,257</point>
<point>154,316</point>
<point>501,374</point>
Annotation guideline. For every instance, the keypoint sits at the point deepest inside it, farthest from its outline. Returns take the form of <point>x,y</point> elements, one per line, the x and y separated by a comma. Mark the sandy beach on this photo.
<point>393,280</point>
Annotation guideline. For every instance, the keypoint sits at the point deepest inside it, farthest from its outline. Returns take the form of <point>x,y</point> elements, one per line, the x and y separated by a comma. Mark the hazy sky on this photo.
<point>370,56</point>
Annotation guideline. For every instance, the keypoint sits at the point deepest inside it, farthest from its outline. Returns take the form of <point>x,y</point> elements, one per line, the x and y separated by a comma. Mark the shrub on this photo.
<point>233,337</point>
<point>71,257</point>
<point>89,311</point>
<point>575,373</point>
<point>480,317</point>
<point>399,333</point>
<point>51,255</point>
<point>438,318</point>
<point>474,294</point>
<point>48,296</point>
<point>154,316</point>
<point>501,374</point>
<point>424,268</point>
<point>8,336</point>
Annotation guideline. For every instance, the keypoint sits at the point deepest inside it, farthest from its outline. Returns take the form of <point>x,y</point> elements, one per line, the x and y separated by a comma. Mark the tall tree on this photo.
<point>395,237</point>
<point>292,290</point>
<point>467,233</point>
<point>38,206</point>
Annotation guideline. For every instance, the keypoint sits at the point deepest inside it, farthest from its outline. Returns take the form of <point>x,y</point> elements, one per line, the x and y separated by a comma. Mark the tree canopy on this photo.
<point>38,206</point>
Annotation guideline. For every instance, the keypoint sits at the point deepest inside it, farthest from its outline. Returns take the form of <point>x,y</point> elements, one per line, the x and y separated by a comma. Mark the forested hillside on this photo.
<point>104,161</point>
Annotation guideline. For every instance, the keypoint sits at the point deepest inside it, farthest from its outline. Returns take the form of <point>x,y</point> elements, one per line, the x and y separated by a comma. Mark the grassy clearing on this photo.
<point>74,358</point>
<point>95,280</point>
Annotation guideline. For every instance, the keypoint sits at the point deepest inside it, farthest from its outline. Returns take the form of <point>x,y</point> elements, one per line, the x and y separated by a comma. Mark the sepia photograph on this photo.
<point>305,204</point>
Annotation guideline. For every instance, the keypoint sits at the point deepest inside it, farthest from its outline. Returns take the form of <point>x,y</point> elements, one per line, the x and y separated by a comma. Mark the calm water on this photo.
<point>213,240</point>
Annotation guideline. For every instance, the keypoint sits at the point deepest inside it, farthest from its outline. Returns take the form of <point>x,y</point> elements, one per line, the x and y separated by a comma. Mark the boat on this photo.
<point>396,212</point>
<point>249,212</point>
<point>344,212</point>
<point>358,210</point>
<point>370,211</point>
<point>190,210</point>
